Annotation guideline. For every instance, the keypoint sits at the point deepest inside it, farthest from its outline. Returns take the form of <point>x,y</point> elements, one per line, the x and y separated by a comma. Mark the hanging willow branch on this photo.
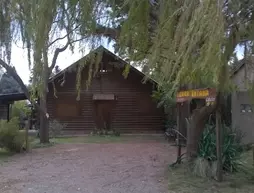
<point>182,42</point>
<point>192,41</point>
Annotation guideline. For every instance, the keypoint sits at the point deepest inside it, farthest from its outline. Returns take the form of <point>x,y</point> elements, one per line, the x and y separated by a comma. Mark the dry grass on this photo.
<point>181,181</point>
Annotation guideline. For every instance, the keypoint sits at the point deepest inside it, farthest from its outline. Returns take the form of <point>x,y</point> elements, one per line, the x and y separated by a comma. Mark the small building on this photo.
<point>10,91</point>
<point>242,104</point>
<point>110,100</point>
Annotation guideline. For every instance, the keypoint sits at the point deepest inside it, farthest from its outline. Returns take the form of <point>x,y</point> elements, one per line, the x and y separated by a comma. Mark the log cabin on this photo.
<point>109,100</point>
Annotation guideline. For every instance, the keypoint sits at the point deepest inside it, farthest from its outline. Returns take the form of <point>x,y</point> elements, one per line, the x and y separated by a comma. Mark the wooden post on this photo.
<point>253,154</point>
<point>26,133</point>
<point>219,144</point>
<point>179,148</point>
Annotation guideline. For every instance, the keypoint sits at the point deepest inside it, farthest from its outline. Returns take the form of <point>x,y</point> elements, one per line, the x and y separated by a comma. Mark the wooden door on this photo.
<point>103,114</point>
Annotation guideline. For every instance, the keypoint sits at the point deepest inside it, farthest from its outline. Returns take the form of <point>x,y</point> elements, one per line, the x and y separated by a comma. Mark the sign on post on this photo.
<point>185,95</point>
<point>210,96</point>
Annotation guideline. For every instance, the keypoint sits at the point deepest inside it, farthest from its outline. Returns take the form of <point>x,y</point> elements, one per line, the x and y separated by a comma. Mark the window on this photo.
<point>246,108</point>
<point>68,108</point>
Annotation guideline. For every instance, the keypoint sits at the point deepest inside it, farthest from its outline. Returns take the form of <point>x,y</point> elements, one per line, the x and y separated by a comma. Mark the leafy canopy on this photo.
<point>180,42</point>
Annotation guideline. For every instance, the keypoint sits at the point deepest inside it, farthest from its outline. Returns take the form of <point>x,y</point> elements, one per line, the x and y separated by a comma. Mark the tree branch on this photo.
<point>57,39</point>
<point>56,53</point>
<point>65,36</point>
<point>59,50</point>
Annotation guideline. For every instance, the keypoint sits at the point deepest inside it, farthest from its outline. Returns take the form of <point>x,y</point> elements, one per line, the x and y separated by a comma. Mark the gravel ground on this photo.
<point>89,168</point>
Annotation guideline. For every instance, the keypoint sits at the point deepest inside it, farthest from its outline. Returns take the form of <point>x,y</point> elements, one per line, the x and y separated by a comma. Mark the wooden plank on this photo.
<point>179,149</point>
<point>219,145</point>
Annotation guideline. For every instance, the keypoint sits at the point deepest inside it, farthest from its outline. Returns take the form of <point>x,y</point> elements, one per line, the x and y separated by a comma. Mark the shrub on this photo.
<point>56,128</point>
<point>10,137</point>
<point>104,132</point>
<point>231,147</point>
<point>20,110</point>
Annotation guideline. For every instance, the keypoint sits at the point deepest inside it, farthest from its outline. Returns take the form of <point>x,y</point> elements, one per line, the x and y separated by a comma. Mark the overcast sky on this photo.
<point>65,59</point>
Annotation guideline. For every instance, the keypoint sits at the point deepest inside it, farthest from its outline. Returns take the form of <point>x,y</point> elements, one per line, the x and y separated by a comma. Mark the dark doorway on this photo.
<point>104,105</point>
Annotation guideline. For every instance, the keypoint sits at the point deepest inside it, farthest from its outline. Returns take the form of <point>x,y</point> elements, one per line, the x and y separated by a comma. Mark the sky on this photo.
<point>65,59</point>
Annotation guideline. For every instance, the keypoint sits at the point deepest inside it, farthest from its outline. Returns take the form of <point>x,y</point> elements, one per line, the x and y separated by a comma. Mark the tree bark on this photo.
<point>44,119</point>
<point>219,144</point>
<point>44,122</point>
<point>196,127</point>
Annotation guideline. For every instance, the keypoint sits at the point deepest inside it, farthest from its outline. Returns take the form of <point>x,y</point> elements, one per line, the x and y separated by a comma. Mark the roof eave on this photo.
<point>103,49</point>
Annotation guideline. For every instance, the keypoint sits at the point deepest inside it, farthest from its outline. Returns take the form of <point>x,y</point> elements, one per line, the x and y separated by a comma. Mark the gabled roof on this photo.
<point>10,89</point>
<point>241,63</point>
<point>238,66</point>
<point>120,62</point>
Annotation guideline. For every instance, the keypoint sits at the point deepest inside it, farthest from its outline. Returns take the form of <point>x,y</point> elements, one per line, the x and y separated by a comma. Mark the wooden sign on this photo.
<point>103,97</point>
<point>195,94</point>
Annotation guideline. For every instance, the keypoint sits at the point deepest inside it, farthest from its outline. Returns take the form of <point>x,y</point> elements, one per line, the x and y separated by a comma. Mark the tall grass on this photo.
<point>231,147</point>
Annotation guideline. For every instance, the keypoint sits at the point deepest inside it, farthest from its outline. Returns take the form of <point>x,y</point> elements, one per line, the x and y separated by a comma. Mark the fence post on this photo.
<point>26,133</point>
<point>219,144</point>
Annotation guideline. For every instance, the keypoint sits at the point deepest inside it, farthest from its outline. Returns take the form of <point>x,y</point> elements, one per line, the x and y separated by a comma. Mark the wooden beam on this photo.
<point>179,148</point>
<point>28,121</point>
<point>8,112</point>
<point>219,144</point>
<point>103,97</point>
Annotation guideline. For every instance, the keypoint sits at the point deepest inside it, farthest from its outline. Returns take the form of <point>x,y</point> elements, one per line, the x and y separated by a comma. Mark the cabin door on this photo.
<point>104,112</point>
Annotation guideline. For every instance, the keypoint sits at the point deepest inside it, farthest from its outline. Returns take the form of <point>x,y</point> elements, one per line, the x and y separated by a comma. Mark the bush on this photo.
<point>105,132</point>
<point>231,147</point>
<point>56,128</point>
<point>20,110</point>
<point>10,137</point>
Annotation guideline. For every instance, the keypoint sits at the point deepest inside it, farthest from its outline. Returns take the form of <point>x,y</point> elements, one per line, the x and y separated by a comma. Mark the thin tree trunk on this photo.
<point>219,144</point>
<point>44,123</point>
<point>44,119</point>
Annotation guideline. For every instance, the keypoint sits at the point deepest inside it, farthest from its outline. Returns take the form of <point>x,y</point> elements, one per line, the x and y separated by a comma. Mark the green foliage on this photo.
<point>10,136</point>
<point>20,108</point>
<point>232,147</point>
<point>182,180</point>
<point>105,132</point>
<point>178,40</point>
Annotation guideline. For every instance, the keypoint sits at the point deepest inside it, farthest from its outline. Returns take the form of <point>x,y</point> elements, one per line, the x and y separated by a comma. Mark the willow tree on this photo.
<point>44,27</point>
<point>181,42</point>
<point>184,43</point>
<point>189,43</point>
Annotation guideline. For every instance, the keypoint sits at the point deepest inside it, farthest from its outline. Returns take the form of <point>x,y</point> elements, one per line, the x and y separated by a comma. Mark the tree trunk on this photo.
<point>195,129</point>
<point>44,119</point>
<point>44,122</point>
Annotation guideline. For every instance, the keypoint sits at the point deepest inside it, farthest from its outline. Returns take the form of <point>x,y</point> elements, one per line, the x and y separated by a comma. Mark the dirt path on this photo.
<point>89,168</point>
